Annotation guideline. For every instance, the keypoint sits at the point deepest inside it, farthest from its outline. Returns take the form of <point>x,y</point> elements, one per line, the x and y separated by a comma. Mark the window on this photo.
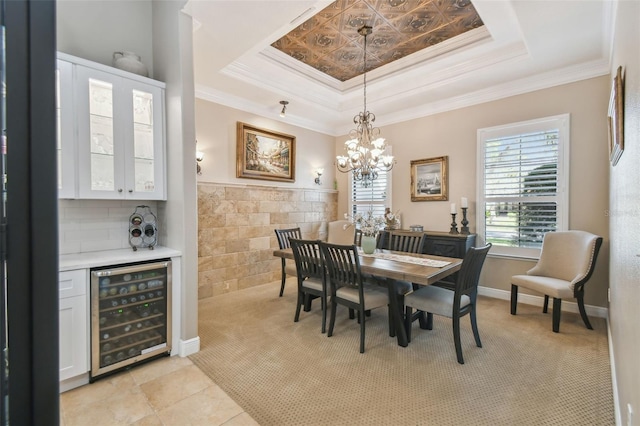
<point>373,197</point>
<point>523,179</point>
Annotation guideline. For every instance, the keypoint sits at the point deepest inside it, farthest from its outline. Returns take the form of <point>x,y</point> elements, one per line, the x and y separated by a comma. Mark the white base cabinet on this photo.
<point>74,323</point>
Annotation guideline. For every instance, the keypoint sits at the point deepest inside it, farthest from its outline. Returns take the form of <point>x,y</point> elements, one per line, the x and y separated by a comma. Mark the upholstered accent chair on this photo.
<point>347,287</point>
<point>566,263</point>
<point>311,276</point>
<point>449,303</point>
<point>288,266</point>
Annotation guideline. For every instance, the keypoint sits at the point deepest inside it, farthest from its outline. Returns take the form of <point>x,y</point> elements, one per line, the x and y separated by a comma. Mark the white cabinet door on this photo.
<point>73,322</point>
<point>65,135</point>
<point>119,134</point>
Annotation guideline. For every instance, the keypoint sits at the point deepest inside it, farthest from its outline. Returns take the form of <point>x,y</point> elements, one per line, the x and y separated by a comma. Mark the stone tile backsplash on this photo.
<point>236,235</point>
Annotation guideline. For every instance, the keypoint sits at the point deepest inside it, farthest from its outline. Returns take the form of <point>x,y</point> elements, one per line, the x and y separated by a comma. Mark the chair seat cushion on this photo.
<point>554,287</point>
<point>402,287</point>
<point>373,297</point>
<point>436,300</point>
<point>313,283</point>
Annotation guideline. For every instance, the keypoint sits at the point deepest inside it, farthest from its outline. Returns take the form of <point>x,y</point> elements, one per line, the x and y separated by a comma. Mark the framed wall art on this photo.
<point>429,179</point>
<point>616,118</point>
<point>264,154</point>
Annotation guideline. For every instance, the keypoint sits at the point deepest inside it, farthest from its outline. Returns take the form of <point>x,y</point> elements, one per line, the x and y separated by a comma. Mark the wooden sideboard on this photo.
<point>439,243</point>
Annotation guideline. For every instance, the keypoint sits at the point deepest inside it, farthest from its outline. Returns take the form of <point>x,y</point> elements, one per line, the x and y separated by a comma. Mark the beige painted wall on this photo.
<point>216,135</point>
<point>623,221</point>
<point>454,134</point>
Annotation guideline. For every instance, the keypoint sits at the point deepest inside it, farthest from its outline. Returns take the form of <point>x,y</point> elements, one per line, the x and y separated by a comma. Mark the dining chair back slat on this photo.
<point>407,242</point>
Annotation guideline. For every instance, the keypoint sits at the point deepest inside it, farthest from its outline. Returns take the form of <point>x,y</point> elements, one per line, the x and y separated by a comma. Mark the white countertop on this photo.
<point>94,259</point>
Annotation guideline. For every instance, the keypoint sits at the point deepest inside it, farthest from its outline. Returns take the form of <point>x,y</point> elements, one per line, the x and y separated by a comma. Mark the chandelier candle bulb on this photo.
<point>464,203</point>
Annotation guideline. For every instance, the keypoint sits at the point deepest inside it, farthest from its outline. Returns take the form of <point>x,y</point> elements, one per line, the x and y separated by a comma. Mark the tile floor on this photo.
<point>165,392</point>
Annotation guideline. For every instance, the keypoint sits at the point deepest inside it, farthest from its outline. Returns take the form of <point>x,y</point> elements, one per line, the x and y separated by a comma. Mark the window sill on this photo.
<point>513,257</point>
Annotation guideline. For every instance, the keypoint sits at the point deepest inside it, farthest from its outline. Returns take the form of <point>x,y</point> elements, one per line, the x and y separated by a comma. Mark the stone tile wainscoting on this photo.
<point>235,231</point>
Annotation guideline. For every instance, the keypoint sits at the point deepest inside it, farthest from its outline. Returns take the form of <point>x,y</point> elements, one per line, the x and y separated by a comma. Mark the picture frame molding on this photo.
<point>443,194</point>
<point>243,171</point>
<point>615,118</point>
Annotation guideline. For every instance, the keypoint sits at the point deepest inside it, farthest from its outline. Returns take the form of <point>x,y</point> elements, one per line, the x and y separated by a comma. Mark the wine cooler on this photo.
<point>130,314</point>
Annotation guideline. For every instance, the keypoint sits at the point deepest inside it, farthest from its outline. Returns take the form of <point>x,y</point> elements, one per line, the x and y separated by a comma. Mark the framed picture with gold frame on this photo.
<point>429,179</point>
<point>265,154</point>
<point>616,118</point>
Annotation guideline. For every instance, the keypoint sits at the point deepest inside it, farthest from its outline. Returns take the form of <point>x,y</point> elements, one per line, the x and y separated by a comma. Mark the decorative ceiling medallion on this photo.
<point>329,41</point>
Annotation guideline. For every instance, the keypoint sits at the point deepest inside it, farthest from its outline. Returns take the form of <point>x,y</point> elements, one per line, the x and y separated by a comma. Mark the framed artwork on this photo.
<point>616,118</point>
<point>429,179</point>
<point>264,154</point>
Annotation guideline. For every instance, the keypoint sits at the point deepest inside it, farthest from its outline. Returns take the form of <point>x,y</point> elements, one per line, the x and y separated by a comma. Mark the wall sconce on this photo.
<point>199,158</point>
<point>319,173</point>
<point>284,107</point>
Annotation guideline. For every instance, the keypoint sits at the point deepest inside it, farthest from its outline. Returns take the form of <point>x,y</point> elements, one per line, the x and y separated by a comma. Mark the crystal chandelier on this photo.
<point>365,147</point>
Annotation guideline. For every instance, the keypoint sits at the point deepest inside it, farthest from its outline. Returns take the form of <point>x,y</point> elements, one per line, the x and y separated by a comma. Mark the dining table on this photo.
<point>391,267</point>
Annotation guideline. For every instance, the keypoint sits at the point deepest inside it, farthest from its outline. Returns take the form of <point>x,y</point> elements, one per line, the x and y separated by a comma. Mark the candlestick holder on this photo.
<point>464,229</point>
<point>454,225</point>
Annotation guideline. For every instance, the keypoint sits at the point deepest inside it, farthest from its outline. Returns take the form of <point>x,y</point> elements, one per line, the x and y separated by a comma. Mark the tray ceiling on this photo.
<point>329,41</point>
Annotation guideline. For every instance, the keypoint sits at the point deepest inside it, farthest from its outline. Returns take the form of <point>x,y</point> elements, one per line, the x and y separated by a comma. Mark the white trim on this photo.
<point>189,347</point>
<point>528,299</point>
<point>74,382</point>
<point>614,380</point>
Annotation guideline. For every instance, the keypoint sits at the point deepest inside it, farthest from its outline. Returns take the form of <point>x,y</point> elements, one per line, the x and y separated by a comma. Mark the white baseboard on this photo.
<point>528,299</point>
<point>74,382</point>
<point>614,381</point>
<point>189,347</point>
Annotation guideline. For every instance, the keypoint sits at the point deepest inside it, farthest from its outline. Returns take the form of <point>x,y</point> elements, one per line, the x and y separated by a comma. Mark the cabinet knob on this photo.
<point>119,189</point>
<point>130,191</point>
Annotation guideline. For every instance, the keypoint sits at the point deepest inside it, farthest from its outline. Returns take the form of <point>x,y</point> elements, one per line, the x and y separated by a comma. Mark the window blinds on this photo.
<point>520,188</point>
<point>368,198</point>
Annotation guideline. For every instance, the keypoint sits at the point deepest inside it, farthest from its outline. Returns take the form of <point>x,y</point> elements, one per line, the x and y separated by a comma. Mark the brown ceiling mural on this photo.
<point>330,43</point>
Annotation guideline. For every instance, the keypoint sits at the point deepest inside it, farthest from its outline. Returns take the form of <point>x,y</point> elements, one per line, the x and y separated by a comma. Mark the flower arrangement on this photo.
<point>369,224</point>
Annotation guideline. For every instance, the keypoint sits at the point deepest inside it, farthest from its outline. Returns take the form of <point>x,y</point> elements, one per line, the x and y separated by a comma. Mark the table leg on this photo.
<point>395,310</point>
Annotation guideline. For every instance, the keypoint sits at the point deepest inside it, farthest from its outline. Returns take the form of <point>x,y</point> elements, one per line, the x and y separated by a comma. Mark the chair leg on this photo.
<point>323,302</point>
<point>474,326</point>
<point>422,320</point>
<point>362,315</point>
<point>429,322</point>
<point>332,321</point>
<point>545,306</point>
<point>456,337</point>
<point>583,313</point>
<point>284,278</point>
<point>392,328</point>
<point>298,306</point>
<point>407,322</point>
<point>352,313</point>
<point>556,314</point>
<point>514,298</point>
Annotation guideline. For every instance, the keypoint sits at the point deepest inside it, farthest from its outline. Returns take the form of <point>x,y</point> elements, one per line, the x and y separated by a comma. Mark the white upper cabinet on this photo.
<point>120,134</point>
<point>65,135</point>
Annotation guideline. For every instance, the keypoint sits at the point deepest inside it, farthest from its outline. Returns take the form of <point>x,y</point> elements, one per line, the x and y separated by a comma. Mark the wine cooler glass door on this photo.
<point>131,315</point>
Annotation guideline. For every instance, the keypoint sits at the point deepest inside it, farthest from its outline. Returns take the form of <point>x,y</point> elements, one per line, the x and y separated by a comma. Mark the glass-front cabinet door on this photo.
<point>120,137</point>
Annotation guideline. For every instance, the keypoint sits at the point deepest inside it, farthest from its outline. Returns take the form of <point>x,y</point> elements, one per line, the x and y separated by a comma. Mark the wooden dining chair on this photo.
<point>454,303</point>
<point>311,275</point>
<point>347,287</point>
<point>288,266</point>
<point>409,242</point>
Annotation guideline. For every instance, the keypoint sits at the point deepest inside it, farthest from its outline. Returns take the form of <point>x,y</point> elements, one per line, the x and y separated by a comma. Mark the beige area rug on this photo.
<point>286,373</point>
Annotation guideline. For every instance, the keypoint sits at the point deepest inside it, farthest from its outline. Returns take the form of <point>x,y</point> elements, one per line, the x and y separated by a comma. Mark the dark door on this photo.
<point>28,214</point>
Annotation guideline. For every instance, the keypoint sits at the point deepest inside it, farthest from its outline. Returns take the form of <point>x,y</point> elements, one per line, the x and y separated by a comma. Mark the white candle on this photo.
<point>464,203</point>
<point>453,208</point>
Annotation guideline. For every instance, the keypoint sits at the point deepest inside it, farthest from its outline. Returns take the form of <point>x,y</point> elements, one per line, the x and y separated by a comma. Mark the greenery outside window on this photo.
<point>523,178</point>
